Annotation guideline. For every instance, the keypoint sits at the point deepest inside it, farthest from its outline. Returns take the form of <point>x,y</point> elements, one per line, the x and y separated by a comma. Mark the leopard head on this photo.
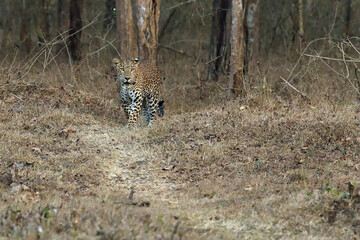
<point>126,70</point>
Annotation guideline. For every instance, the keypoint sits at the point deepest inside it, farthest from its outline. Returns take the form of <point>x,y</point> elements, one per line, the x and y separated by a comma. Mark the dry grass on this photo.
<point>276,168</point>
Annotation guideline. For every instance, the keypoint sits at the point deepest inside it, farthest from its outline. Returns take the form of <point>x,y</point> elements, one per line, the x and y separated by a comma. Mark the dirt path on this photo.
<point>128,163</point>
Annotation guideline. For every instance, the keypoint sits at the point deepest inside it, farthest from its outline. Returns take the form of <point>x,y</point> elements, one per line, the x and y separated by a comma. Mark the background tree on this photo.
<point>43,21</point>
<point>75,29</point>
<point>237,49</point>
<point>62,21</point>
<point>148,13</point>
<point>109,18</point>
<point>298,24</point>
<point>25,33</point>
<point>251,32</point>
<point>124,19</point>
<point>6,22</point>
<point>218,37</point>
<point>348,16</point>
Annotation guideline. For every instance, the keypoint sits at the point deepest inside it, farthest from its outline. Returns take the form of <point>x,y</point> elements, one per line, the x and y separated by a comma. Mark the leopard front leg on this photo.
<point>126,107</point>
<point>137,101</point>
<point>153,103</point>
<point>125,100</point>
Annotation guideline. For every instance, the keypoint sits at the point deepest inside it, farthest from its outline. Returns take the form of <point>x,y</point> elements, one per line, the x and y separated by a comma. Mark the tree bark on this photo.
<point>251,32</point>
<point>298,24</point>
<point>25,35</point>
<point>62,22</point>
<point>237,49</point>
<point>148,13</point>
<point>301,26</point>
<point>125,28</point>
<point>75,30</point>
<point>63,17</point>
<point>43,24</point>
<point>7,23</point>
<point>109,19</point>
<point>348,18</point>
<point>217,38</point>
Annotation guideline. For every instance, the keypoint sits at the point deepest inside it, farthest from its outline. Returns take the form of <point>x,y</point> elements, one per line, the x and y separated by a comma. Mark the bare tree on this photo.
<point>109,19</point>
<point>6,22</point>
<point>348,17</point>
<point>251,32</point>
<point>298,24</point>
<point>25,35</point>
<point>75,30</point>
<point>125,30</point>
<point>218,37</point>
<point>63,17</point>
<point>62,21</point>
<point>148,13</point>
<point>237,49</point>
<point>43,21</point>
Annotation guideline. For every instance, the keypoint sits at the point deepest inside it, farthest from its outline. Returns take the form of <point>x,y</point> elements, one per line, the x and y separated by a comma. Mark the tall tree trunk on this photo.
<point>348,18</point>
<point>125,28</point>
<point>217,38</point>
<point>251,32</point>
<point>298,24</point>
<point>62,22</point>
<point>109,19</point>
<point>75,30</point>
<point>43,24</point>
<point>25,36</point>
<point>301,26</point>
<point>148,13</point>
<point>7,23</point>
<point>237,49</point>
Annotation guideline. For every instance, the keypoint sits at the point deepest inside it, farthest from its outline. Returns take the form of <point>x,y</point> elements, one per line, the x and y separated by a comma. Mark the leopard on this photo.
<point>138,85</point>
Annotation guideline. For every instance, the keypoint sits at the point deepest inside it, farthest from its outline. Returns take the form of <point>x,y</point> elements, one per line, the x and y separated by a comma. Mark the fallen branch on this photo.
<point>333,59</point>
<point>302,94</point>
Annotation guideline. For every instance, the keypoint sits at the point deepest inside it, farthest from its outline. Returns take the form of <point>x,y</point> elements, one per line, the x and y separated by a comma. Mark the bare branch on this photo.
<point>302,94</point>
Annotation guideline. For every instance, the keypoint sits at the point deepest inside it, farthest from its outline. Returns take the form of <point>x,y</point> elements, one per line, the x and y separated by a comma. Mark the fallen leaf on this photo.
<point>243,107</point>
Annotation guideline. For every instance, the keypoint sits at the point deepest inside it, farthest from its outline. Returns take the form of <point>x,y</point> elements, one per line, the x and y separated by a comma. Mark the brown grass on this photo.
<point>267,166</point>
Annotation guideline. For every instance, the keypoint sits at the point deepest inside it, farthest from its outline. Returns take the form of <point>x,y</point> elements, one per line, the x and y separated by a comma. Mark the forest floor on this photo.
<point>249,169</point>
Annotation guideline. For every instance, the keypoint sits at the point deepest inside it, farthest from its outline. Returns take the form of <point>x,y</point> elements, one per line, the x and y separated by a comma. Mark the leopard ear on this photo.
<point>116,61</point>
<point>136,60</point>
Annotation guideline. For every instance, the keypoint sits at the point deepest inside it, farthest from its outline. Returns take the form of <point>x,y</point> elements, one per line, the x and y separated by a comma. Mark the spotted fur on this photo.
<point>139,88</point>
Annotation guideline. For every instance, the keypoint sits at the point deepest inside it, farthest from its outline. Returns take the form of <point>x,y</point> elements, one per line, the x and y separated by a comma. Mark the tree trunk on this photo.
<point>237,49</point>
<point>348,18</point>
<point>7,23</point>
<point>109,19</point>
<point>148,13</point>
<point>301,26</point>
<point>298,24</point>
<point>218,37</point>
<point>25,36</point>
<point>62,22</point>
<point>75,30</point>
<point>125,28</point>
<point>251,32</point>
<point>43,24</point>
